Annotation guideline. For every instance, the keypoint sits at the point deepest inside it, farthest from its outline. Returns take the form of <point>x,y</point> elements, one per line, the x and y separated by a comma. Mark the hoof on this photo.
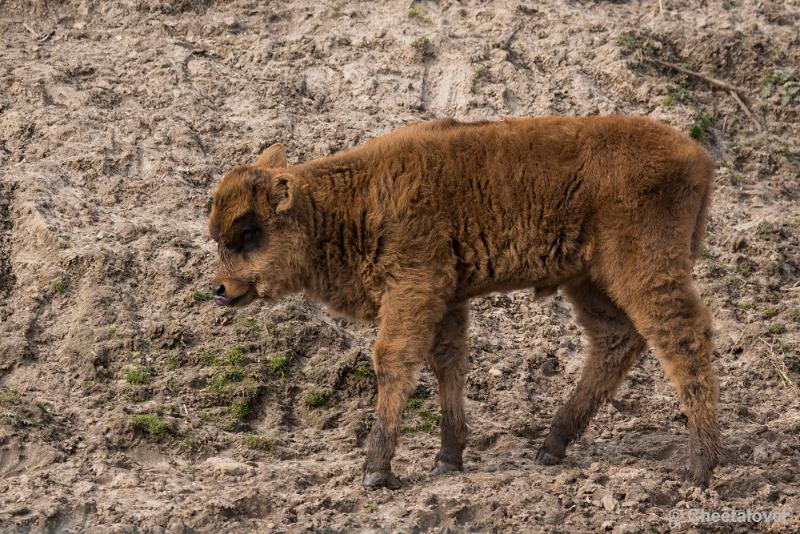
<point>442,467</point>
<point>381,479</point>
<point>699,477</point>
<point>545,457</point>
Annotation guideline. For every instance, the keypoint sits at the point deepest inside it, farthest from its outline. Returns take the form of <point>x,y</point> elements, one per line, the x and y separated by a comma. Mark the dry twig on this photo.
<point>25,25</point>
<point>738,339</point>
<point>738,94</point>
<point>780,366</point>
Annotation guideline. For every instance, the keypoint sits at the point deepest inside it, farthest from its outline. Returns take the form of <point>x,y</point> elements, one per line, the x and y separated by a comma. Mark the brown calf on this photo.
<point>406,228</point>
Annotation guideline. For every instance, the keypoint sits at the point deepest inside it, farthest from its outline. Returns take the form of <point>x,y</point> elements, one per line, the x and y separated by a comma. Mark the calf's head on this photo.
<point>256,220</point>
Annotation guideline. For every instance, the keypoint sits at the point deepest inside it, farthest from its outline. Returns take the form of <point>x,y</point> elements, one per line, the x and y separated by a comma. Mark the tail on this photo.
<point>706,177</point>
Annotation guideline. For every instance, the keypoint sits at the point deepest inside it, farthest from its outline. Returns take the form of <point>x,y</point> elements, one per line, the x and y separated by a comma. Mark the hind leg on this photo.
<point>667,310</point>
<point>614,346</point>
<point>450,363</point>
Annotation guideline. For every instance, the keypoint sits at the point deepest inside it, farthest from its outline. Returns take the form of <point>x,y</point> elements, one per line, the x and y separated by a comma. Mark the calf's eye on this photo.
<point>249,238</point>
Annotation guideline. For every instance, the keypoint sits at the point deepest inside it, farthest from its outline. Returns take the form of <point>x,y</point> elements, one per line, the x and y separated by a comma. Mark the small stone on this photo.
<point>494,371</point>
<point>609,503</point>
<point>767,491</point>
<point>607,525</point>
<point>635,494</point>
<point>760,454</point>
<point>227,466</point>
<point>587,488</point>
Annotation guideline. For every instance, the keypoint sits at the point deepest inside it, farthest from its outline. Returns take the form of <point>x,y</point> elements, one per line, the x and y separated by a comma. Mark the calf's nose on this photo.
<point>219,290</point>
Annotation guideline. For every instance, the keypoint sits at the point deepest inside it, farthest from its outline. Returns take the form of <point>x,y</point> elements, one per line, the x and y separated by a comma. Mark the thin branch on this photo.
<point>780,367</point>
<point>711,81</point>
<point>24,25</point>
<point>738,94</point>
<point>746,110</point>
<point>739,339</point>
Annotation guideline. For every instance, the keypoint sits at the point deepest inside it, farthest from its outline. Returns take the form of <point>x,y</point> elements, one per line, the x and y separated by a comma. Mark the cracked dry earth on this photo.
<point>129,403</point>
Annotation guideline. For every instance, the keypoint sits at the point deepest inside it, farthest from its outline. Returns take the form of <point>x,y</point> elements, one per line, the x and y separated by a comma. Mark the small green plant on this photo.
<point>315,399</point>
<point>794,315</point>
<point>362,371</point>
<point>138,375</point>
<point>430,416</point>
<point>628,41</point>
<point>789,155</point>
<point>705,254</point>
<point>637,43</point>
<point>278,365</point>
<point>426,426</point>
<point>481,73</point>
<point>260,443</point>
<point>414,404</point>
<point>240,409</point>
<point>60,286</point>
<point>15,420</point>
<point>10,396</point>
<point>422,47</point>
<point>416,13</point>
<point>202,296</point>
<point>247,325</point>
<point>151,425</point>
<point>738,179</point>
<point>763,227</point>
<point>190,444</point>
<point>372,507</point>
<point>745,305</point>
<point>430,420</point>
<point>336,9</point>
<point>785,82</point>
<point>699,129</point>
<point>769,312</point>
<point>221,381</point>
<point>734,280</point>
<point>777,329</point>
<point>235,356</point>
<point>208,356</point>
<point>676,96</point>
<point>207,417</point>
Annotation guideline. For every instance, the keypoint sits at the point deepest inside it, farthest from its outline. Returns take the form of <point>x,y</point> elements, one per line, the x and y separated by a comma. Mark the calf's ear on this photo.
<point>283,193</point>
<point>273,157</point>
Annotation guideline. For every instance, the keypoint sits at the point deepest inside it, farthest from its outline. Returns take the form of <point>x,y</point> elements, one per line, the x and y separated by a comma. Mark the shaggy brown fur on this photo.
<point>406,228</point>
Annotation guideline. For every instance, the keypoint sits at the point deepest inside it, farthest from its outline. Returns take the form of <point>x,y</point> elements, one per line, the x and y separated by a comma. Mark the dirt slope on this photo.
<point>129,403</point>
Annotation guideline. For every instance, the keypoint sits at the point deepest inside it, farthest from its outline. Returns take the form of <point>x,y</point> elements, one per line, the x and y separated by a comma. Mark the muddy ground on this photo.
<point>130,403</point>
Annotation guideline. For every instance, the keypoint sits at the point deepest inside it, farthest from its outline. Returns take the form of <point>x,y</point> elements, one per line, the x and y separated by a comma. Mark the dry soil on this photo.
<point>129,403</point>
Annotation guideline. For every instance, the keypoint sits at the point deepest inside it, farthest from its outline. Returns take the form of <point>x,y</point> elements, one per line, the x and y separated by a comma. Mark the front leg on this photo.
<point>450,364</point>
<point>407,325</point>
